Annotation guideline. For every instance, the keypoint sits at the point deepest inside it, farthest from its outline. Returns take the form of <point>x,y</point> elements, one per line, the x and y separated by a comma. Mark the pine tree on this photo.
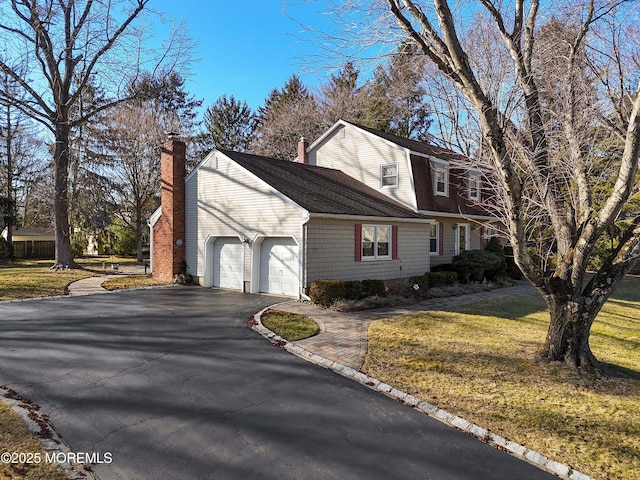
<point>229,124</point>
<point>287,115</point>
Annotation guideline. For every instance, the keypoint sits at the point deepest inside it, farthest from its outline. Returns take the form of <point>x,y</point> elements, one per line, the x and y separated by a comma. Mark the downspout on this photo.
<point>150,245</point>
<point>303,259</point>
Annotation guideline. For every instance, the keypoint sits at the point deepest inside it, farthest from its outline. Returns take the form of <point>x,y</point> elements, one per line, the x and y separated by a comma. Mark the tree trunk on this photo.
<point>568,335</point>
<point>64,253</point>
<point>139,227</point>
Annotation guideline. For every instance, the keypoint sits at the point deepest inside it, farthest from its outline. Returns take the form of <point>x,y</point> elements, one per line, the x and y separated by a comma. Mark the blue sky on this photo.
<point>246,47</point>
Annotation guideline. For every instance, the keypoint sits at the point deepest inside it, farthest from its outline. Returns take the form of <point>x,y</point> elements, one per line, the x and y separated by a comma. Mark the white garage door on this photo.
<point>227,263</point>
<point>279,266</point>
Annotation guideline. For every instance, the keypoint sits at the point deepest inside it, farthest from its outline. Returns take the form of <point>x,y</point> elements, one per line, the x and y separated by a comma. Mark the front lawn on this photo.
<point>32,278</point>
<point>137,281</point>
<point>26,279</point>
<point>484,367</point>
<point>290,326</point>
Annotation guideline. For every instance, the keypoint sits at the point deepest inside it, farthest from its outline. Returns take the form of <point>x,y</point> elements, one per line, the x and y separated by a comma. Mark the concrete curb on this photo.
<point>520,451</point>
<point>39,425</point>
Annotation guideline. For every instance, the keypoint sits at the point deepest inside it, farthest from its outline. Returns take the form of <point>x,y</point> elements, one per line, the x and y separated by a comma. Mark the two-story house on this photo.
<point>436,182</point>
<point>358,204</point>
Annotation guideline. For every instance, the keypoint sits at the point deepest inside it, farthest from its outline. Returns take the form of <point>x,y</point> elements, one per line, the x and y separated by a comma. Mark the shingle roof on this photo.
<point>33,231</point>
<point>322,190</point>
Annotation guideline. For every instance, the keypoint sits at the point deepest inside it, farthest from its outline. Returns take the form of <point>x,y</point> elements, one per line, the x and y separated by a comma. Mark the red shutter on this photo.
<point>358,245</point>
<point>482,239</point>
<point>394,242</point>
<point>441,239</point>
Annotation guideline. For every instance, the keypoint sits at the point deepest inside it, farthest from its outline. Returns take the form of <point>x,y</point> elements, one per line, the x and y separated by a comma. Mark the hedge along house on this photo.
<point>438,183</point>
<point>257,224</point>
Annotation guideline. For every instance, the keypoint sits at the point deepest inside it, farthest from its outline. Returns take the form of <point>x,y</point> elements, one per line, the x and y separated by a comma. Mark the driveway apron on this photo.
<point>173,384</point>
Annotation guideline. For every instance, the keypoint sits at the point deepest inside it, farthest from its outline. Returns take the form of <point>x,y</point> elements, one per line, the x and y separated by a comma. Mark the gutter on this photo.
<point>340,216</point>
<point>457,215</point>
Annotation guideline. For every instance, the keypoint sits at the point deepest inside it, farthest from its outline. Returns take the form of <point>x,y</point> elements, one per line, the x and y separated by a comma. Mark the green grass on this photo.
<point>32,278</point>
<point>137,281</point>
<point>26,279</point>
<point>16,437</point>
<point>486,368</point>
<point>290,326</point>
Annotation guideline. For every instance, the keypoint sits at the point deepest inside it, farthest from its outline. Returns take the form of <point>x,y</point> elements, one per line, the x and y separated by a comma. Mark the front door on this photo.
<point>462,238</point>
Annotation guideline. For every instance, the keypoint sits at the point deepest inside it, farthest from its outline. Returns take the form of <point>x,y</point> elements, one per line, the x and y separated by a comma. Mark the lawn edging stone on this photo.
<point>51,442</point>
<point>517,450</point>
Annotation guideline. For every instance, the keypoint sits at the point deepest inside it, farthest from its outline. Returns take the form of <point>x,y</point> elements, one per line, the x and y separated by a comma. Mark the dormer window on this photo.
<point>475,185</point>
<point>440,178</point>
<point>389,175</point>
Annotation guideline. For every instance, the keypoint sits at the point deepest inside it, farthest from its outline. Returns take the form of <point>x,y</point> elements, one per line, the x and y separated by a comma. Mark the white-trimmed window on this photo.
<point>440,178</point>
<point>389,175</point>
<point>490,232</point>
<point>475,185</point>
<point>376,242</point>
<point>434,239</point>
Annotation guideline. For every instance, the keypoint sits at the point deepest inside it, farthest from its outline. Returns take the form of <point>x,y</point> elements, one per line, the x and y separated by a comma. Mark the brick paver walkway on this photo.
<point>343,336</point>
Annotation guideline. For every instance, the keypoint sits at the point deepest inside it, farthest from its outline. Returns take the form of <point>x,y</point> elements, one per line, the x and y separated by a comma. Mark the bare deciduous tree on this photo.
<point>131,143</point>
<point>62,44</point>
<point>539,123</point>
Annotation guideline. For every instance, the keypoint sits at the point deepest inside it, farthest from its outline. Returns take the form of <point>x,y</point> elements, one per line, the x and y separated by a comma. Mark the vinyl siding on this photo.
<point>475,241</point>
<point>224,200</point>
<point>360,155</point>
<point>330,252</point>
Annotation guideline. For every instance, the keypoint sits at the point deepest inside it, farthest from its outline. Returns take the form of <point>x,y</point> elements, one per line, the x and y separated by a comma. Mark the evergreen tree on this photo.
<point>342,98</point>
<point>287,115</point>
<point>229,124</point>
<point>410,111</point>
<point>378,111</point>
<point>396,99</point>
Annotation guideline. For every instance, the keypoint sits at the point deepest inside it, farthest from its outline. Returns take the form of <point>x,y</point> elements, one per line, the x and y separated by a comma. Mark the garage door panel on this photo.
<point>279,266</point>
<point>228,263</point>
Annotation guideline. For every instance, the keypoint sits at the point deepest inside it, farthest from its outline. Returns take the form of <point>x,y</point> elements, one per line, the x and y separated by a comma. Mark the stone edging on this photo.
<point>39,425</point>
<point>520,451</point>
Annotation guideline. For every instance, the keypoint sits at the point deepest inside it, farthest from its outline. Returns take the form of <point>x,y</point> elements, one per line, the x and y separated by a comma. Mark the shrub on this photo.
<point>494,246</point>
<point>447,267</point>
<point>472,264</point>
<point>513,271</point>
<point>422,282</point>
<point>6,249</point>
<point>372,288</point>
<point>325,292</point>
<point>442,278</point>
<point>353,289</point>
<point>79,244</point>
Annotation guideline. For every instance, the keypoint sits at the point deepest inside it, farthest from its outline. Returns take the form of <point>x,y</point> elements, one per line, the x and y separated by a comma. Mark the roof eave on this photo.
<point>376,218</point>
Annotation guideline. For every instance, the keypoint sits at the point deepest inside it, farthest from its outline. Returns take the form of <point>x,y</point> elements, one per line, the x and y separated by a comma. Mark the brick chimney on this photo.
<point>303,155</point>
<point>169,230</point>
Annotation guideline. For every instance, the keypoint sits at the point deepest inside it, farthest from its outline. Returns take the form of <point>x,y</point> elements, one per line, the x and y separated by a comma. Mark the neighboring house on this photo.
<point>33,242</point>
<point>357,205</point>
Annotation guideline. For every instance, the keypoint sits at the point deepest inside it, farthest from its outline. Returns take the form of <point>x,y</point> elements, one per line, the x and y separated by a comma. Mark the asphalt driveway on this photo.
<point>173,384</point>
